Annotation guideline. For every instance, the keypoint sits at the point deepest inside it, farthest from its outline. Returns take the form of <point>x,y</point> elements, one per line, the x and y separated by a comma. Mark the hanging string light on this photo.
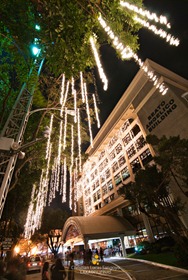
<point>79,140</point>
<point>160,32</point>
<point>88,115</point>
<point>64,180</point>
<point>49,137</point>
<point>127,53</point>
<point>62,89</point>
<point>59,155</point>
<point>53,180</point>
<point>66,94</point>
<point>82,87</point>
<point>75,107</point>
<point>99,65</point>
<point>65,130</point>
<point>151,16</point>
<point>70,188</point>
<point>96,111</point>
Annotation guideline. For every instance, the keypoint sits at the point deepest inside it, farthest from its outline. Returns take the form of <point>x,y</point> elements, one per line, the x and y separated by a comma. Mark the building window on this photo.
<point>126,124</point>
<point>112,155</point>
<point>101,167</point>
<point>104,189</point>
<point>117,179</point>
<point>112,141</point>
<point>102,178</point>
<point>101,155</point>
<point>125,173</point>
<point>107,173</point>
<point>135,165</point>
<point>118,148</point>
<point>140,143</point>
<point>135,130</point>
<point>126,139</point>
<point>131,151</point>
<point>110,185</point>
<point>98,195</point>
<point>95,197</point>
<point>115,167</point>
<point>146,157</point>
<point>121,161</point>
<point>93,187</point>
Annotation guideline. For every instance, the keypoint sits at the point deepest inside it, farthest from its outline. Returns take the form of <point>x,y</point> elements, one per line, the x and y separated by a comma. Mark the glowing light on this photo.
<point>82,87</point>
<point>99,65</point>
<point>65,130</point>
<point>59,155</point>
<point>96,111</point>
<point>151,16</point>
<point>163,34</point>
<point>62,89</point>
<point>88,115</point>
<point>126,52</point>
<point>79,141</point>
<point>70,188</point>
<point>72,145</point>
<point>66,94</point>
<point>64,180</point>
<point>49,138</point>
<point>75,107</point>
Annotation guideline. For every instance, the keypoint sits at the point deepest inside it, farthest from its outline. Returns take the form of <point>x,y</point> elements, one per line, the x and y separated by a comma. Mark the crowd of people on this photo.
<point>15,269</point>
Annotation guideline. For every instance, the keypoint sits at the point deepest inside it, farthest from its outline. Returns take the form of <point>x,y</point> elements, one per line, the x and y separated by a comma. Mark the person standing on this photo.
<point>71,268</point>
<point>101,254</point>
<point>45,274</point>
<point>58,271</point>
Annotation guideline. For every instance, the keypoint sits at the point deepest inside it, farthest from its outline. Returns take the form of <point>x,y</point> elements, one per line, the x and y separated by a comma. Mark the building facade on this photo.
<point>119,149</point>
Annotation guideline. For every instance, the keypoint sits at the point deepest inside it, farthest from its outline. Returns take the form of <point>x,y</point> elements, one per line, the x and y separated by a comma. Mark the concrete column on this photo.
<point>148,228</point>
<point>123,245</point>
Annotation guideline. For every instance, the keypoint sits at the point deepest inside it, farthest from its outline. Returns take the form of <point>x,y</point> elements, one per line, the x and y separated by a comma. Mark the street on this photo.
<point>123,269</point>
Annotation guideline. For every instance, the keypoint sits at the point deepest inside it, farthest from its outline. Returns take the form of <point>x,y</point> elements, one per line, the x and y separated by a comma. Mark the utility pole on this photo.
<point>12,134</point>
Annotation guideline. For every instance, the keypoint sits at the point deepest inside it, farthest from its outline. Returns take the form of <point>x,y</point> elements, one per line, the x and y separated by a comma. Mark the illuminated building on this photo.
<point>119,149</point>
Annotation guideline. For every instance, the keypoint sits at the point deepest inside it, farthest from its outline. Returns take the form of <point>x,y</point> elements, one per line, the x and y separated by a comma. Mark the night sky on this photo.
<point>120,73</point>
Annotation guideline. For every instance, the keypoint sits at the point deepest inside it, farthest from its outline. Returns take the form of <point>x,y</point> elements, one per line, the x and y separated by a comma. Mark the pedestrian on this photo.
<point>45,274</point>
<point>58,271</point>
<point>101,254</point>
<point>90,256</point>
<point>71,268</point>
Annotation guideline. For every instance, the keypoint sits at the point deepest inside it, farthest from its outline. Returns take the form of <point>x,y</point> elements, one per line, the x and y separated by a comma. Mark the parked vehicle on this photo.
<point>34,264</point>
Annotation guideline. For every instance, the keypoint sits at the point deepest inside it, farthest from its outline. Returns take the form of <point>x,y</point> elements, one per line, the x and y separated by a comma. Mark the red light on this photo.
<point>39,263</point>
<point>28,264</point>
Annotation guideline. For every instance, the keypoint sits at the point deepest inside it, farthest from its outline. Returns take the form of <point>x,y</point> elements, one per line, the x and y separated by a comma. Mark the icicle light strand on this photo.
<point>151,16</point>
<point>99,65</point>
<point>62,89</point>
<point>88,115</point>
<point>96,111</point>
<point>82,87</point>
<point>49,138</point>
<point>65,130</point>
<point>127,53</point>
<point>64,180</point>
<point>160,32</point>
<point>79,141</point>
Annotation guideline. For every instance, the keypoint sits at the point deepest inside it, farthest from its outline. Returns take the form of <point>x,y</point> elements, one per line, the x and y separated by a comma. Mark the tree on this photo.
<point>52,224</point>
<point>151,190</point>
<point>172,156</point>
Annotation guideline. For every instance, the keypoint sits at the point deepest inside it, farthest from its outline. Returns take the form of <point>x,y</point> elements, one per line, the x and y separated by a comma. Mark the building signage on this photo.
<point>160,113</point>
